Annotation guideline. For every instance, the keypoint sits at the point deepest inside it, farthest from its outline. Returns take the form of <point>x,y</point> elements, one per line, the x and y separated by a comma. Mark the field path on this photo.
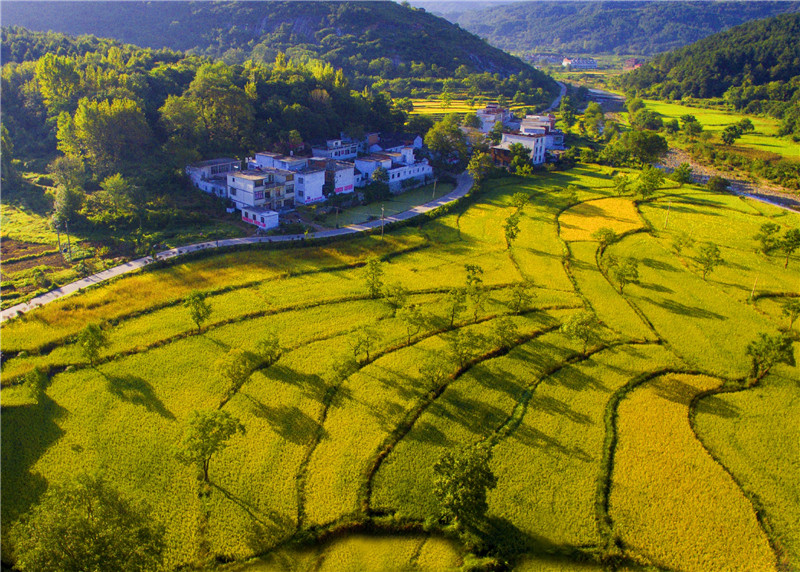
<point>464,184</point>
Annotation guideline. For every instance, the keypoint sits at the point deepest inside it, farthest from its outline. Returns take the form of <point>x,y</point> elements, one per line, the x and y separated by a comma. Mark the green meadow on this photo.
<point>764,138</point>
<point>646,451</point>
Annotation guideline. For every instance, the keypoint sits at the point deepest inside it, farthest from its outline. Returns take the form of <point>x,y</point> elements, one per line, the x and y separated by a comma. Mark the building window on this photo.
<point>233,191</point>
<point>300,180</point>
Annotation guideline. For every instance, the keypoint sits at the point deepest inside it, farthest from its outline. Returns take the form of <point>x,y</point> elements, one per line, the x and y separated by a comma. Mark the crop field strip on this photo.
<point>337,453</point>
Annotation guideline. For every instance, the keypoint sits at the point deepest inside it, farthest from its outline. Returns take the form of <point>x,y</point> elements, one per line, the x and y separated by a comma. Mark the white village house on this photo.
<point>211,176</point>
<point>543,125</point>
<point>400,167</point>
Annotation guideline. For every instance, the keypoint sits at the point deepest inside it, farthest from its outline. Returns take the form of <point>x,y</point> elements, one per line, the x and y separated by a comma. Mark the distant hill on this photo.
<point>755,53</point>
<point>352,35</point>
<point>754,67</point>
<point>645,28</point>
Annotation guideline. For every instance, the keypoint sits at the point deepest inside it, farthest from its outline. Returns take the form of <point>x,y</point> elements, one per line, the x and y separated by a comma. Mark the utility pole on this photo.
<point>666,220</point>
<point>753,291</point>
<point>69,244</point>
<point>433,196</point>
<point>58,237</point>
<point>382,219</point>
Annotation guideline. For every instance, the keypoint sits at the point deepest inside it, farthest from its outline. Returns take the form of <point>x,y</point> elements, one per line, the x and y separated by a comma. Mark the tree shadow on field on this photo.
<point>655,287</point>
<point>137,391</point>
<point>531,437</point>
<point>512,544</point>
<point>658,264</point>
<point>715,405</point>
<point>472,414</point>
<point>684,310</point>
<point>266,524</point>
<point>554,406</point>
<point>575,379</point>
<point>427,432</point>
<point>28,431</point>
<point>291,423</point>
<point>312,385</point>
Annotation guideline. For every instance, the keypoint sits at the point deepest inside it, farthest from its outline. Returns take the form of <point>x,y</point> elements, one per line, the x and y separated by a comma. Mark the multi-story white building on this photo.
<point>210,176</point>
<point>267,160</point>
<point>339,175</point>
<point>543,125</point>
<point>400,167</point>
<point>491,114</point>
<point>579,63</point>
<point>268,188</point>
<point>533,143</point>
<point>340,149</point>
<point>308,185</point>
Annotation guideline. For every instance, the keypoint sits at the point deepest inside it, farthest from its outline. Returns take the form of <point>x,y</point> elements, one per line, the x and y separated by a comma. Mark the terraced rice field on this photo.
<point>646,450</point>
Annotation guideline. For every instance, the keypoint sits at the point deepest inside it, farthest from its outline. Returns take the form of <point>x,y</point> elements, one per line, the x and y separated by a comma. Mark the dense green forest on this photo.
<point>602,27</point>
<point>754,67</point>
<point>371,40</point>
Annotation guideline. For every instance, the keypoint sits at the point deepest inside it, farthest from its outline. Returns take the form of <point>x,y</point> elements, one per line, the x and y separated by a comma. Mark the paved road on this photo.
<point>557,100</point>
<point>464,184</point>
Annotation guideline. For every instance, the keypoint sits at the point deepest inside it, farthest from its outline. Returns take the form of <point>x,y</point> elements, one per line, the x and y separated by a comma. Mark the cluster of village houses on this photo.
<point>272,183</point>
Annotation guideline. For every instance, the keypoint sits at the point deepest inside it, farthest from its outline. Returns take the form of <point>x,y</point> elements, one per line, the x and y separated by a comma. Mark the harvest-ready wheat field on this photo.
<point>644,446</point>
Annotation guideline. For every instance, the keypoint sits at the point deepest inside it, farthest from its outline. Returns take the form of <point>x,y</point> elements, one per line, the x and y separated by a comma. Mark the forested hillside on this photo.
<point>603,27</point>
<point>371,38</point>
<point>755,67</point>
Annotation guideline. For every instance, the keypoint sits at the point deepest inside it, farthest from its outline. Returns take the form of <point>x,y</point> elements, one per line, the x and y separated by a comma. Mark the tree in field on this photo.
<point>717,184</point>
<point>59,82</point>
<point>474,273</point>
<point>622,184</point>
<point>396,295</point>
<point>461,481</point>
<point>413,319</point>
<point>68,172</point>
<point>681,241</point>
<point>519,200</point>
<point>505,332</point>
<point>87,525</point>
<point>199,308</point>
<point>645,146</point>
<point>435,370</point>
<point>691,126</point>
<point>791,309</point>
<point>363,343</point>
<point>91,340</point>
<point>767,236</point>
<point>520,159</point>
<point>511,229</point>
<point>235,369</point>
<point>479,166</point>
<point>581,326</point>
<point>789,243</point>
<point>708,257</point>
<point>767,351</point>
<point>455,303</point>
<point>605,236</point>
<point>730,134</point>
<point>463,345</point>
<point>649,181</point>
<point>624,271</point>
<point>268,350</point>
<point>373,271</point>
<point>36,380</point>
<point>682,174</point>
<point>521,298</point>
<point>746,126</point>
<point>205,434</point>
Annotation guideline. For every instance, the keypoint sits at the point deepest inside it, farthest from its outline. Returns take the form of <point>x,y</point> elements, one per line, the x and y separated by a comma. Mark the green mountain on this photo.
<point>372,38</point>
<point>603,27</point>
<point>755,67</point>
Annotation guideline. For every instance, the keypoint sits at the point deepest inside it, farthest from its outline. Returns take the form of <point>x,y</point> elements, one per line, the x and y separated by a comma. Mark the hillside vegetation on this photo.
<point>613,448</point>
<point>603,27</point>
<point>369,38</point>
<point>754,67</point>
